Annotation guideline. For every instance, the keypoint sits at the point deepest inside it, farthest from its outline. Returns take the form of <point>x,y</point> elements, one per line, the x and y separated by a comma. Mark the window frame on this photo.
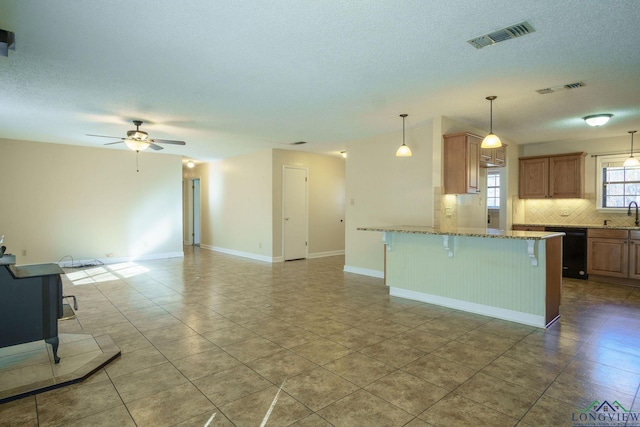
<point>499,196</point>
<point>600,165</point>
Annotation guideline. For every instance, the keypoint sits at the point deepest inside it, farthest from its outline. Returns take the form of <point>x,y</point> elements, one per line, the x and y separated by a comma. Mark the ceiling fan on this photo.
<point>139,140</point>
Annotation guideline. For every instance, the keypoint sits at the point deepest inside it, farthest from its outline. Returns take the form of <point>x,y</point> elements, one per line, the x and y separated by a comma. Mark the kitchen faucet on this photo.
<point>629,211</point>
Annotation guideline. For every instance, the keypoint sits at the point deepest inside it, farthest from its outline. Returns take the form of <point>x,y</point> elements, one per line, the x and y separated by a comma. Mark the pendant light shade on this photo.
<point>631,161</point>
<point>491,140</point>
<point>404,150</point>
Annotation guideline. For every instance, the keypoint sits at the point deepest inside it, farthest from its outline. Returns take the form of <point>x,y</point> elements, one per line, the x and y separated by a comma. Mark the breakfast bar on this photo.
<point>511,275</point>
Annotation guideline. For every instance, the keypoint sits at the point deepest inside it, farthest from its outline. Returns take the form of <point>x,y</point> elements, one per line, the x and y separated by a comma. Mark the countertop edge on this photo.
<point>488,233</point>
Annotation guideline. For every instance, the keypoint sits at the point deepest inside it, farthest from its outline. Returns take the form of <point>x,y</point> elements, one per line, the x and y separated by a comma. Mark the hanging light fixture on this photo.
<point>631,161</point>
<point>136,144</point>
<point>491,140</point>
<point>403,150</point>
<point>597,119</point>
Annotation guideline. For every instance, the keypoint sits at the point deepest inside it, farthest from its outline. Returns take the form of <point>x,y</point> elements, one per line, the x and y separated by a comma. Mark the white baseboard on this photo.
<point>485,310</point>
<point>117,260</point>
<point>325,254</point>
<point>364,271</point>
<point>240,253</point>
<point>266,258</point>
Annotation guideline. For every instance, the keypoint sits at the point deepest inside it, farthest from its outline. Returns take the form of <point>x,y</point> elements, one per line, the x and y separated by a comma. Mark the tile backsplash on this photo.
<point>566,211</point>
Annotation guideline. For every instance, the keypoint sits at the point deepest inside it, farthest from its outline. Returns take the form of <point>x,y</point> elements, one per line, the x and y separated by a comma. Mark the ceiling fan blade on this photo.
<point>105,136</point>
<point>155,147</point>
<point>111,143</point>
<point>169,141</point>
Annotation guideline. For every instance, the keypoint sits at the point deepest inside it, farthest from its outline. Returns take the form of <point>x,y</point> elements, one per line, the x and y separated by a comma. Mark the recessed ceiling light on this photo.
<point>597,119</point>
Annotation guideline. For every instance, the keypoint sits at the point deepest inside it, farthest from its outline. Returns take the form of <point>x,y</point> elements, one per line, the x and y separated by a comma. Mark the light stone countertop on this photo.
<point>492,233</point>
<point>599,226</point>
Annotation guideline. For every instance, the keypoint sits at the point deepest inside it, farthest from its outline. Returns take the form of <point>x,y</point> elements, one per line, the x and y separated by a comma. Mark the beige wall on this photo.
<point>237,206</point>
<point>241,201</point>
<point>326,193</point>
<point>60,200</point>
<point>385,190</point>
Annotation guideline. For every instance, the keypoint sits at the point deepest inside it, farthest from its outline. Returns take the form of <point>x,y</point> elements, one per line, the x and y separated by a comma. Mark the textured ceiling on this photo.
<point>230,77</point>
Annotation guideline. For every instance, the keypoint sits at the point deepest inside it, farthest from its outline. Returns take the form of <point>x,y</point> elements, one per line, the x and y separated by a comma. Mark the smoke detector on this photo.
<point>507,33</point>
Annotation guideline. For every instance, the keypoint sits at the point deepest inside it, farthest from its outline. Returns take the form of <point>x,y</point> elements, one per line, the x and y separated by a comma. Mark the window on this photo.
<point>493,189</point>
<point>617,185</point>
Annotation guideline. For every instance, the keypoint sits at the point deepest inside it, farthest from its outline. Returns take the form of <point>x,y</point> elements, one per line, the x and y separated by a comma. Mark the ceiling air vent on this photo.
<point>510,32</point>
<point>559,88</point>
<point>574,85</point>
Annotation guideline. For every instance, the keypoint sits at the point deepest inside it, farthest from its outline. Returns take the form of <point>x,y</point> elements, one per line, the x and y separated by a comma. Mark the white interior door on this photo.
<point>294,213</point>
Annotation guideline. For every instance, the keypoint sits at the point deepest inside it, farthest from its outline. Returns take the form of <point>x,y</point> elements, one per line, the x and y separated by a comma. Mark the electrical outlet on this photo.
<point>24,252</point>
<point>564,211</point>
<point>448,211</point>
<point>260,245</point>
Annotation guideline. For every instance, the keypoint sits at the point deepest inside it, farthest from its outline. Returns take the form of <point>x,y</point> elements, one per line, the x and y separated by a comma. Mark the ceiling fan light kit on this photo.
<point>138,140</point>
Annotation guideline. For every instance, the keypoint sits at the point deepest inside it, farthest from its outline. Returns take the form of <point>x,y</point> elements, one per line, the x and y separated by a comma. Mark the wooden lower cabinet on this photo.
<point>614,253</point>
<point>608,257</point>
<point>634,254</point>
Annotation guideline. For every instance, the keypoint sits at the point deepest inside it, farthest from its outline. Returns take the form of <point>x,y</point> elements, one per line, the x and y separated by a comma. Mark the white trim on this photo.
<point>114,260</point>
<point>364,271</point>
<point>486,310</point>
<point>599,165</point>
<point>240,253</point>
<point>306,207</point>
<point>325,254</point>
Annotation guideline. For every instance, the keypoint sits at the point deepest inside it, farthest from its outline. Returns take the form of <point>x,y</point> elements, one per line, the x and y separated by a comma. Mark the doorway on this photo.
<point>294,213</point>
<point>191,206</point>
<point>196,212</point>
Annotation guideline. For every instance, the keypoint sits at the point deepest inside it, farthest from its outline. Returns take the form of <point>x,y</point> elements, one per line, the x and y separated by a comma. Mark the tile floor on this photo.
<point>213,335</point>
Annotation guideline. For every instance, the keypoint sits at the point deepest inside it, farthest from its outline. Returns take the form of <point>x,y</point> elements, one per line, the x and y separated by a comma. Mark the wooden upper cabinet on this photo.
<point>566,176</point>
<point>493,157</point>
<point>534,178</point>
<point>462,163</point>
<point>559,177</point>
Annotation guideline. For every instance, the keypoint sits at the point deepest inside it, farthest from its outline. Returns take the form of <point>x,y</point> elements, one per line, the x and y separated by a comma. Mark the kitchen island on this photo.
<point>511,275</point>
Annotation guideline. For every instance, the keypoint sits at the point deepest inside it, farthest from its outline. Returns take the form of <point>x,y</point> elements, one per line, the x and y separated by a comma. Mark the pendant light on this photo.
<point>631,161</point>
<point>403,150</point>
<point>491,140</point>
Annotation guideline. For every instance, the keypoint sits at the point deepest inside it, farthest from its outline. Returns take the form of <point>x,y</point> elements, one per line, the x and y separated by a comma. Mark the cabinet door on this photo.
<point>534,178</point>
<point>566,176</point>
<point>493,157</point>
<point>461,163</point>
<point>607,257</point>
<point>486,155</point>
<point>634,259</point>
<point>500,156</point>
<point>473,164</point>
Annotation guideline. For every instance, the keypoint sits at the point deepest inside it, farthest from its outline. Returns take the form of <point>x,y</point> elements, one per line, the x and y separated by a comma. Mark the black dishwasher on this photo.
<point>574,251</point>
